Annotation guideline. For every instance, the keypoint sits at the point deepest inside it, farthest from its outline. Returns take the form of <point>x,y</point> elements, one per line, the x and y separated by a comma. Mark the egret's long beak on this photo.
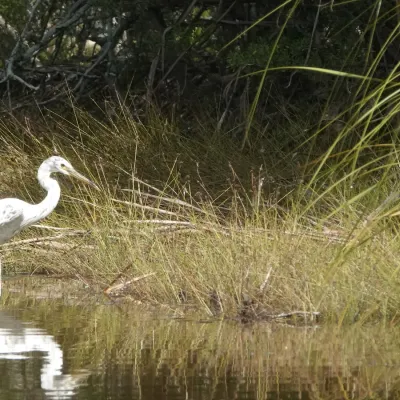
<point>77,175</point>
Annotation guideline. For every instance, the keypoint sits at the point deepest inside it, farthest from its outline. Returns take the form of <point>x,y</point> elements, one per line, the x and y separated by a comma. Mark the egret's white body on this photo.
<point>16,214</point>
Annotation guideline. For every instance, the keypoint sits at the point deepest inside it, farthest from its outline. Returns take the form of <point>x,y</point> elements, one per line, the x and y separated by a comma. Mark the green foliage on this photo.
<point>288,53</point>
<point>14,12</point>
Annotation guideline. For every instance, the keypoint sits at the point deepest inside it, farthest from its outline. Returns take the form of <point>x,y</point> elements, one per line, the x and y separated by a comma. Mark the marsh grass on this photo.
<point>193,223</point>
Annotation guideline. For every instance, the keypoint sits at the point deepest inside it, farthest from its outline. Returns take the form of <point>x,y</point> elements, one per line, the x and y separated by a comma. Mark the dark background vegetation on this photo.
<point>197,58</point>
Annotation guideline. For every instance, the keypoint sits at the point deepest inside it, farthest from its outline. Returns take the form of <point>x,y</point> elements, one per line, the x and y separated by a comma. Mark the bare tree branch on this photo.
<point>9,71</point>
<point>73,16</point>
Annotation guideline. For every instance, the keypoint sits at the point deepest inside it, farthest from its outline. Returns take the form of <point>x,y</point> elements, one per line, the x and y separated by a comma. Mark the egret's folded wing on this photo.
<point>11,216</point>
<point>8,213</point>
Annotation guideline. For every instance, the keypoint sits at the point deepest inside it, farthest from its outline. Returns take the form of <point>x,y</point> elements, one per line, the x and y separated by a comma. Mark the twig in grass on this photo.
<point>83,280</point>
<point>205,226</point>
<point>333,237</point>
<point>312,314</point>
<point>61,246</point>
<point>121,273</point>
<point>124,284</point>
<point>35,250</point>
<point>164,222</point>
<point>42,239</point>
<point>168,200</point>
<point>147,185</point>
<point>199,229</point>
<point>174,226</point>
<point>154,209</point>
<point>264,284</point>
<point>393,197</point>
<point>56,228</point>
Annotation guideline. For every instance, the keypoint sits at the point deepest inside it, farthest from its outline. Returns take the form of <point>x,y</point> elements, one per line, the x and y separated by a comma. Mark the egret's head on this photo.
<point>59,164</point>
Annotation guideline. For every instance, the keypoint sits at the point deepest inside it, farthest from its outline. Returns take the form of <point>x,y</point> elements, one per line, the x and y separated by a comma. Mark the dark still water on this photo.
<point>49,350</point>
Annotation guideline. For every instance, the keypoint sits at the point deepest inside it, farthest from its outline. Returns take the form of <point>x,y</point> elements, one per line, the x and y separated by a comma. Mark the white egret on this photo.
<point>16,214</point>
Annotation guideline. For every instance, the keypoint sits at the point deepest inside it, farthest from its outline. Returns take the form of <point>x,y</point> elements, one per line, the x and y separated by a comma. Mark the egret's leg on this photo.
<point>0,276</point>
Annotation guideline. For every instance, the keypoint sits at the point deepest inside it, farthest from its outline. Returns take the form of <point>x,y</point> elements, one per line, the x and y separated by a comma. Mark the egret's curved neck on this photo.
<point>45,207</point>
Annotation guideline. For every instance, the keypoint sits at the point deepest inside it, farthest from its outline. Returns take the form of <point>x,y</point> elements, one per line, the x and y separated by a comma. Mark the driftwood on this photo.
<point>303,314</point>
<point>123,285</point>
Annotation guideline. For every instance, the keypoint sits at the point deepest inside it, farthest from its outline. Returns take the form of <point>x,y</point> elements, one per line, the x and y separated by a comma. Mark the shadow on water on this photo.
<point>52,350</point>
